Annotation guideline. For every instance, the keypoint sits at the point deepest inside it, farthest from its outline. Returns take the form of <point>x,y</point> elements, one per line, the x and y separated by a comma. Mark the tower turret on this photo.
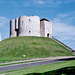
<point>12,28</point>
<point>46,28</point>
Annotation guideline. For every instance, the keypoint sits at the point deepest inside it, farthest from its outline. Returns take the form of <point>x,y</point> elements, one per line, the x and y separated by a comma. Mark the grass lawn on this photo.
<point>61,68</point>
<point>32,47</point>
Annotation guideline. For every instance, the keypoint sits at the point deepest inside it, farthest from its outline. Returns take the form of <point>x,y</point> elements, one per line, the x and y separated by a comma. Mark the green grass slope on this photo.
<point>32,47</point>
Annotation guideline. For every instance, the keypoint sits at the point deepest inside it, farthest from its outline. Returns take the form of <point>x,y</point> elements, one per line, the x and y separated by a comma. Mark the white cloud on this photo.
<point>63,15</point>
<point>40,2</point>
<point>28,3</point>
<point>4,27</point>
<point>3,21</point>
<point>49,2</point>
<point>63,29</point>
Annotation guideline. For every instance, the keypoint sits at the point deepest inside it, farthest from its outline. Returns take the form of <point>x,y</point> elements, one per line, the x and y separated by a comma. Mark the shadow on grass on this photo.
<point>61,71</point>
<point>66,59</point>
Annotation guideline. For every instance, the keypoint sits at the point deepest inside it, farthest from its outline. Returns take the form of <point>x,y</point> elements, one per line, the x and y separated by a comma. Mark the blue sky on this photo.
<point>60,12</point>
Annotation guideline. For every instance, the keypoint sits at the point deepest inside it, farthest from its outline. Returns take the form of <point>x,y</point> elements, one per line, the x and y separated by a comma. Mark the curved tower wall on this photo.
<point>12,28</point>
<point>29,26</point>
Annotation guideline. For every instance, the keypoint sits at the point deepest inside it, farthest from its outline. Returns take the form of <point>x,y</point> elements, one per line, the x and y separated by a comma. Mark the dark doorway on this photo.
<point>48,35</point>
<point>16,32</point>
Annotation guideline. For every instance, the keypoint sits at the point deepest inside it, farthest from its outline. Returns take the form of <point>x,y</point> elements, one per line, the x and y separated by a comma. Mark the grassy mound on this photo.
<point>32,47</point>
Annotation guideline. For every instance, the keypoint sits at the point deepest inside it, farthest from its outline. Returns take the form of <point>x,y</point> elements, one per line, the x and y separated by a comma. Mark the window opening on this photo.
<point>29,20</point>
<point>29,31</point>
<point>22,21</point>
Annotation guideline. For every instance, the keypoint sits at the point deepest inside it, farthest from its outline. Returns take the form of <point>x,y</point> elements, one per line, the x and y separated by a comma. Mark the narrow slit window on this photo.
<point>22,21</point>
<point>29,20</point>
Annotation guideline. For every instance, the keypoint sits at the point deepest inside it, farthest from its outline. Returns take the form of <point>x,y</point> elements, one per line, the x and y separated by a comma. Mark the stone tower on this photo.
<point>12,28</point>
<point>30,26</point>
<point>45,28</point>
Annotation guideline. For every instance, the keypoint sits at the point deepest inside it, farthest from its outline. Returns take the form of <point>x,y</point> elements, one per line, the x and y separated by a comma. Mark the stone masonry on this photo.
<point>30,26</point>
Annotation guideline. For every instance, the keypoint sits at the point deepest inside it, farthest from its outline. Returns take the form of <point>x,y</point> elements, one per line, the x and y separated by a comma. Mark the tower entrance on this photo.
<point>48,35</point>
